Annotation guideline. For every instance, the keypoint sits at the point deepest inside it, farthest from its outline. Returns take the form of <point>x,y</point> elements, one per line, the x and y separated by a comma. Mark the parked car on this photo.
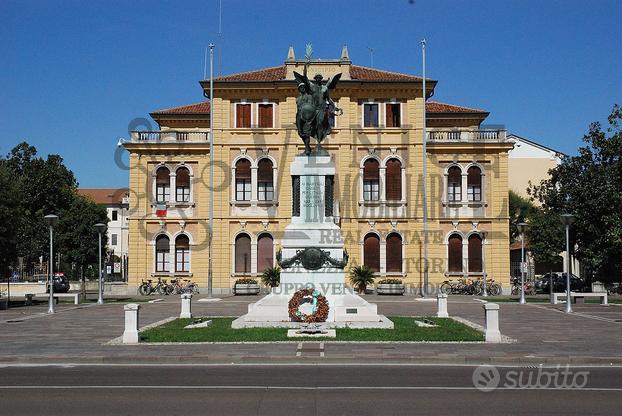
<point>61,284</point>
<point>559,283</point>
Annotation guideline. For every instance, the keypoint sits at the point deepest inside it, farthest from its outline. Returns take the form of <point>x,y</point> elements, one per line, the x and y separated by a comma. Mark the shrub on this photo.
<point>360,277</point>
<point>390,282</point>
<point>246,281</point>
<point>271,276</point>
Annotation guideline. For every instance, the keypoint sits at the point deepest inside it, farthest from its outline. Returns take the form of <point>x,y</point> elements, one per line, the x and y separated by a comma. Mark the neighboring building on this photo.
<point>116,202</point>
<point>529,162</point>
<point>377,147</point>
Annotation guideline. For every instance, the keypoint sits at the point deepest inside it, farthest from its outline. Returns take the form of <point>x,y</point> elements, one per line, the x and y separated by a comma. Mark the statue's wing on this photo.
<point>301,79</point>
<point>332,83</point>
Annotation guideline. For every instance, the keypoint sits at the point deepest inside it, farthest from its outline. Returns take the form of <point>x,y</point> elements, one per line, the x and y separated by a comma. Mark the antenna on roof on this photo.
<point>220,37</point>
<point>371,56</point>
<point>205,65</point>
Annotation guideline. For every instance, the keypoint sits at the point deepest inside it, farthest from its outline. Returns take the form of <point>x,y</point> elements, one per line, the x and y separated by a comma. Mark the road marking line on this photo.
<point>251,387</point>
<point>299,350</point>
<point>321,349</point>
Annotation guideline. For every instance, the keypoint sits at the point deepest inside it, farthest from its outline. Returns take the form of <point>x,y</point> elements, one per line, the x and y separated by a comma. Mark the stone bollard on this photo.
<point>441,303</point>
<point>186,310</point>
<point>491,331</point>
<point>130,335</point>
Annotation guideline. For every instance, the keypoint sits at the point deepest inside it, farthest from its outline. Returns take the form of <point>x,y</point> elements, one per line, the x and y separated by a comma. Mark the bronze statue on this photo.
<point>314,108</point>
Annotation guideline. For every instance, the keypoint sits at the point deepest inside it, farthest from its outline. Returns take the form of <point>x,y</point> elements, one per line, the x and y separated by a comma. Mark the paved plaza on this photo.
<point>543,334</point>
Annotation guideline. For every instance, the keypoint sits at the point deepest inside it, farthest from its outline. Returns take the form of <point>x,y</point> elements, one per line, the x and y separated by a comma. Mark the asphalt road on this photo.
<point>307,390</point>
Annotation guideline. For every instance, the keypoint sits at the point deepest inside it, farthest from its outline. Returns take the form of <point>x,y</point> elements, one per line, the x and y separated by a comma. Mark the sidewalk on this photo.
<point>544,334</point>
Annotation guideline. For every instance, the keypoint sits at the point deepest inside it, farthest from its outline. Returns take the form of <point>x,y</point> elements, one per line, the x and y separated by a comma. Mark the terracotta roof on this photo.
<point>104,196</point>
<point>198,108</point>
<point>517,245</point>
<point>267,74</point>
<point>359,73</point>
<point>436,107</point>
<point>363,73</point>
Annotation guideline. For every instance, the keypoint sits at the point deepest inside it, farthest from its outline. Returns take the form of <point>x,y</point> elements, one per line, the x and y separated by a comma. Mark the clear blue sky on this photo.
<point>74,73</point>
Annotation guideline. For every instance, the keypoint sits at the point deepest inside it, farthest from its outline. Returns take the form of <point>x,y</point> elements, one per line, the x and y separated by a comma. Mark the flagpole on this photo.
<point>211,168</point>
<point>424,291</point>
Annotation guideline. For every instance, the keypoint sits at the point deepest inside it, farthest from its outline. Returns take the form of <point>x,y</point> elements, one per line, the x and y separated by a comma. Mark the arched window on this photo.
<point>371,252</point>
<point>182,185</point>
<point>455,253</point>
<point>243,180</point>
<point>243,254</point>
<point>163,184</point>
<point>393,180</point>
<point>474,184</point>
<point>371,180</point>
<point>475,253</point>
<point>182,253</point>
<point>265,252</point>
<point>394,253</point>
<point>265,180</point>
<point>454,184</point>
<point>163,250</point>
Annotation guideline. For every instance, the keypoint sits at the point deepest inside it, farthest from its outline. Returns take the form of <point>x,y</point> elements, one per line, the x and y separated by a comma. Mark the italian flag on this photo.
<point>161,209</point>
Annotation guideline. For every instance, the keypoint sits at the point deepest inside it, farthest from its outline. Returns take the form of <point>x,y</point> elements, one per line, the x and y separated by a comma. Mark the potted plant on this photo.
<point>390,287</point>
<point>271,276</point>
<point>245,287</point>
<point>360,277</point>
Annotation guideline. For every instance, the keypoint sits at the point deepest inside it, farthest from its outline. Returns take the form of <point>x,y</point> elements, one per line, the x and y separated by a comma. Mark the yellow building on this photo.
<point>377,147</point>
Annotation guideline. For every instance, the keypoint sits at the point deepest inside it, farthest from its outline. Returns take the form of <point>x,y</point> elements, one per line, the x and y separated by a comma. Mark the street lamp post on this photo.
<point>567,220</point>
<point>522,227</point>
<point>100,293</point>
<point>50,221</point>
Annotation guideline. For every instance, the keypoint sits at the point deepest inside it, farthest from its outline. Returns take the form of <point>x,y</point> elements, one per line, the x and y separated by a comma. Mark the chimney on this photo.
<point>290,54</point>
<point>345,56</point>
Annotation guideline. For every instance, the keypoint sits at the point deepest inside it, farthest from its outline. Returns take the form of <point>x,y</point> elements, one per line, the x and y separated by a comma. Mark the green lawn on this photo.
<point>221,331</point>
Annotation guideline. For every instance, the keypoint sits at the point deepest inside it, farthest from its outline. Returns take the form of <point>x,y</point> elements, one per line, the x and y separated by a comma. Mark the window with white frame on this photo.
<point>474,184</point>
<point>182,253</point>
<point>163,184</point>
<point>182,185</point>
<point>265,115</point>
<point>393,114</point>
<point>454,184</point>
<point>371,113</point>
<point>243,180</point>
<point>371,180</point>
<point>162,250</point>
<point>243,115</point>
<point>265,180</point>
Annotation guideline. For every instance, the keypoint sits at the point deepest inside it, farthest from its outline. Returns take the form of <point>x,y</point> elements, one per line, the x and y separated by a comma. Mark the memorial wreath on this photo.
<point>319,306</point>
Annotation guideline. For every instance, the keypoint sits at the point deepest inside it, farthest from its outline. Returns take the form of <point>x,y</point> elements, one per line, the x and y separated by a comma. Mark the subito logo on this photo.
<point>486,378</point>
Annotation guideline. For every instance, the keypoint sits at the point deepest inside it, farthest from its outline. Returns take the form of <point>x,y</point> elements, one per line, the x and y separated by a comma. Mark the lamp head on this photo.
<point>51,220</point>
<point>100,227</point>
<point>567,219</point>
<point>522,226</point>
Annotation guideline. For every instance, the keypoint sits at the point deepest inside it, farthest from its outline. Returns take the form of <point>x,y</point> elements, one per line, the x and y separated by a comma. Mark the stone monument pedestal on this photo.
<point>313,256</point>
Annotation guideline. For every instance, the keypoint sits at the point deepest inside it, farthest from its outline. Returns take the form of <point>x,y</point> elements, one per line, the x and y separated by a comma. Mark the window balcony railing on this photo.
<point>459,136</point>
<point>159,136</point>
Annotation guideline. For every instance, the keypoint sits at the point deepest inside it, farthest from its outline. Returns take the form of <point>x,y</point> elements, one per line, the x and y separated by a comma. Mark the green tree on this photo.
<point>520,210</point>
<point>588,185</point>
<point>32,187</point>
<point>77,237</point>
<point>9,209</point>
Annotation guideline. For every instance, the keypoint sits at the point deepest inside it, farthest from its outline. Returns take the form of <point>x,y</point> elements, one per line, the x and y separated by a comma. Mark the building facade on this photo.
<point>377,146</point>
<point>529,162</point>
<point>117,205</point>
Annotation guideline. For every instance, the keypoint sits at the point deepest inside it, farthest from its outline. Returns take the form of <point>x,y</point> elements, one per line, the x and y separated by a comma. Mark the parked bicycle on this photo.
<point>147,287</point>
<point>470,287</point>
<point>530,289</point>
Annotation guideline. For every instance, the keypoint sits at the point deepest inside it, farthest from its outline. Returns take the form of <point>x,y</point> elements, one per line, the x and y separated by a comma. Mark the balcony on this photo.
<point>467,136</point>
<point>170,136</point>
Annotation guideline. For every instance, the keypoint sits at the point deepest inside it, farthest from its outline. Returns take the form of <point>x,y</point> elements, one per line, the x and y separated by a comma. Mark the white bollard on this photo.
<point>491,332</point>
<point>441,303</point>
<point>130,335</point>
<point>186,309</point>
